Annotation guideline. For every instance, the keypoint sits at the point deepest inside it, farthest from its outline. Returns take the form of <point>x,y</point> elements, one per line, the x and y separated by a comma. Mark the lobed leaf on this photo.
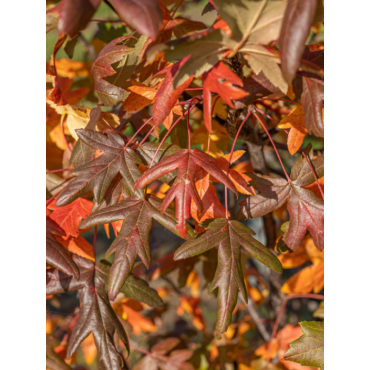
<point>308,350</point>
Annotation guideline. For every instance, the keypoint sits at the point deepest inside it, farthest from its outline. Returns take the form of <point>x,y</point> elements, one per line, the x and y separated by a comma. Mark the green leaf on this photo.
<point>319,313</point>
<point>140,290</point>
<point>230,235</point>
<point>206,50</point>
<point>308,350</point>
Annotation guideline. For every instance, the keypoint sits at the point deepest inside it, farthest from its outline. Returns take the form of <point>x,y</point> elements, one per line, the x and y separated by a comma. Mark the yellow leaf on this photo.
<point>72,68</point>
<point>298,131</point>
<point>78,117</point>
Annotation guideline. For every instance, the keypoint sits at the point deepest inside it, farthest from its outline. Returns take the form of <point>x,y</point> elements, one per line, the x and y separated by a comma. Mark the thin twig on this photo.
<point>230,158</point>
<point>64,135</point>
<point>273,144</point>
<point>60,170</point>
<point>301,150</point>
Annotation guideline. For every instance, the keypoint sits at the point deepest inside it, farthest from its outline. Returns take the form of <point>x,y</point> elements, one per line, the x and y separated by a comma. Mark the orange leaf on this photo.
<point>306,280</point>
<point>79,246</point>
<point>138,322</point>
<point>70,216</point>
<point>212,208</point>
<point>298,131</point>
<point>239,179</point>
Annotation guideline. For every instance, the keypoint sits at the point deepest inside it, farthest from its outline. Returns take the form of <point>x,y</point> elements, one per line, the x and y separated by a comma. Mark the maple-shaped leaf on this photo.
<point>306,210</point>
<point>115,51</point>
<point>308,350</point>
<point>252,21</point>
<point>53,360</point>
<point>224,82</point>
<point>230,235</point>
<point>202,51</point>
<point>183,189</point>
<point>70,216</point>
<point>133,239</point>
<point>56,254</point>
<point>97,175</point>
<point>163,355</point>
<point>96,314</point>
<point>167,95</point>
<point>295,29</point>
<point>147,151</point>
<point>142,15</point>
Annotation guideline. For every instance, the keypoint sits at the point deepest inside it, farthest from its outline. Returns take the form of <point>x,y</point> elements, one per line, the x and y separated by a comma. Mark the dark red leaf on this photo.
<point>294,31</point>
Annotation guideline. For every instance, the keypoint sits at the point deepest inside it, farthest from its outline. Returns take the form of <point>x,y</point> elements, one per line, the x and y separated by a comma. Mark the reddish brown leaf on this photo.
<point>115,51</point>
<point>167,96</point>
<point>294,31</point>
<point>183,189</point>
<point>220,80</point>
<point>142,15</point>
<point>76,14</point>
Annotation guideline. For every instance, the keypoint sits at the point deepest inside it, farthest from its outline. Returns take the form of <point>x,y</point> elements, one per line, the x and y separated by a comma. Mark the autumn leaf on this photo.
<point>144,15</point>
<point>70,216</point>
<point>133,239</point>
<point>252,21</point>
<point>228,277</point>
<point>306,210</point>
<point>140,96</point>
<point>312,101</point>
<point>202,51</point>
<point>163,356</point>
<point>167,95</point>
<point>77,245</point>
<point>56,255</point>
<point>212,208</point>
<point>295,122</point>
<point>240,180</point>
<point>295,29</point>
<point>98,174</point>
<point>224,82</point>
<point>308,279</point>
<point>183,189</point>
<point>78,118</point>
<point>53,360</point>
<point>96,314</point>
<point>308,350</point>
<point>114,52</point>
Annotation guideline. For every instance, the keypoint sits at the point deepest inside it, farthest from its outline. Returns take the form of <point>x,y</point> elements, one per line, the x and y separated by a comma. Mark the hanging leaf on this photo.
<point>228,277</point>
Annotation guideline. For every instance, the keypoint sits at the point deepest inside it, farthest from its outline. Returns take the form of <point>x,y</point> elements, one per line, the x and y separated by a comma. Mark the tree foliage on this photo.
<point>169,105</point>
